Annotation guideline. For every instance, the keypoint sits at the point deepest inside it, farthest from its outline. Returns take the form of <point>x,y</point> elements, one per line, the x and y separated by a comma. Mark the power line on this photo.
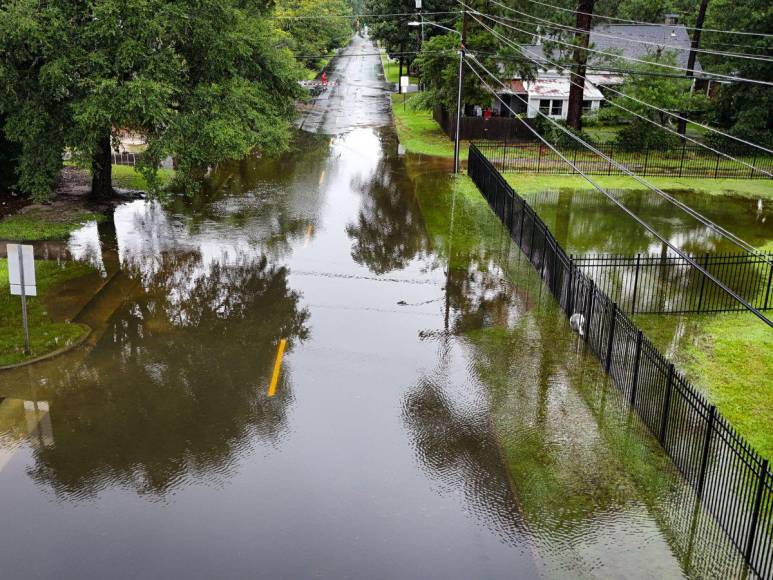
<point>704,220</point>
<point>735,239</point>
<point>628,58</point>
<point>745,33</point>
<point>613,199</point>
<point>348,16</point>
<point>596,32</point>
<point>659,109</point>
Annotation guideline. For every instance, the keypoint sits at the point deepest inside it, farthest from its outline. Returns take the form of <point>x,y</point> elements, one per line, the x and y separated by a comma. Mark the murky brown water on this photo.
<point>433,417</point>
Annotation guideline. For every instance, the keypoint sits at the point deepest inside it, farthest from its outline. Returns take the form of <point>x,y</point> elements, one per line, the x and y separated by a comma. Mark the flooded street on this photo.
<point>431,416</point>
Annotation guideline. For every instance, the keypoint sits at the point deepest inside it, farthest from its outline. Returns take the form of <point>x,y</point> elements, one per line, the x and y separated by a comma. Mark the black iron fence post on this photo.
<point>611,152</point>
<point>770,280</point>
<point>570,290</point>
<point>681,161</point>
<point>635,284</point>
<point>588,310</point>
<point>646,160</point>
<point>667,404</point>
<point>636,364</point>
<point>716,168</point>
<point>703,281</point>
<point>539,158</point>
<point>756,512</point>
<point>706,449</point>
<point>753,164</point>
<point>610,342</point>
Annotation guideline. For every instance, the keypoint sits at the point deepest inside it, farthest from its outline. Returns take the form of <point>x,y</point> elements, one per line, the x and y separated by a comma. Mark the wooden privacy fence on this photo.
<point>670,284</point>
<point>684,161</point>
<point>733,482</point>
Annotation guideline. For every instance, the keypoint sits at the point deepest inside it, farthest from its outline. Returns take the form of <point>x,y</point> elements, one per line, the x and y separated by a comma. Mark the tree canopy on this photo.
<point>202,80</point>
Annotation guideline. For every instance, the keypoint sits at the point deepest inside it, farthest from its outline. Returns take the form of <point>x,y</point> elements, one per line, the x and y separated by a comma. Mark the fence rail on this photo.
<point>684,161</point>
<point>670,284</point>
<point>733,481</point>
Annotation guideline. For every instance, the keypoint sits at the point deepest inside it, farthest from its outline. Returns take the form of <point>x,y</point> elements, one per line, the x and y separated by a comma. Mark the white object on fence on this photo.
<point>577,322</point>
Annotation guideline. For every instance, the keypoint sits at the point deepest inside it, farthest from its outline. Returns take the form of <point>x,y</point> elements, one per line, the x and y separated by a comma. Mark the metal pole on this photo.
<point>756,512</point>
<point>24,303</point>
<point>458,109</point>
<point>610,343</point>
<point>706,449</point>
<point>636,363</point>
<point>667,404</point>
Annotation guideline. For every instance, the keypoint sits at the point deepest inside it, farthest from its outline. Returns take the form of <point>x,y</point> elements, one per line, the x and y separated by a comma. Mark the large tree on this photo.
<point>203,80</point>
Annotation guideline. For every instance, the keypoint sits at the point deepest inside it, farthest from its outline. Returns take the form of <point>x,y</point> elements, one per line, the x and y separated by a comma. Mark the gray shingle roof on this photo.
<point>661,34</point>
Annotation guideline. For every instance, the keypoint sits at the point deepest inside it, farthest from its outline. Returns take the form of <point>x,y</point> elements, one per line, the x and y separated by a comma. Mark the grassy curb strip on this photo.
<point>46,335</point>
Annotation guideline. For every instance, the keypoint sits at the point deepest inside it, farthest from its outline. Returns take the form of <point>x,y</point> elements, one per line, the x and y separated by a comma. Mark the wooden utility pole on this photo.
<point>694,45</point>
<point>577,76</point>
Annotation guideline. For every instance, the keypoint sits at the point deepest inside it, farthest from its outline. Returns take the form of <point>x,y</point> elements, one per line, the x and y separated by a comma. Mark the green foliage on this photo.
<point>313,30</point>
<point>666,93</point>
<point>203,80</point>
<point>45,224</point>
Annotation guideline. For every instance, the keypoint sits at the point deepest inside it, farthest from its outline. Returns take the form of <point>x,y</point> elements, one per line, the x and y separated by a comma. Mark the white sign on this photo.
<point>15,270</point>
<point>404,82</point>
<point>418,4</point>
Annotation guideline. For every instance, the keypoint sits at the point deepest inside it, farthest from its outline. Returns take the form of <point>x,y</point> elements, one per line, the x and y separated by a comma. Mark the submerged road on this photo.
<point>300,375</point>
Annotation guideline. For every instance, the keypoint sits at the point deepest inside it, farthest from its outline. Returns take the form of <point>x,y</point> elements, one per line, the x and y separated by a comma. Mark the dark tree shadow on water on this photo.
<point>175,390</point>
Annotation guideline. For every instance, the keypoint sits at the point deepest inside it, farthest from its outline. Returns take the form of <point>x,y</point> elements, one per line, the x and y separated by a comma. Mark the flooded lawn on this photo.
<point>585,222</point>
<point>433,414</point>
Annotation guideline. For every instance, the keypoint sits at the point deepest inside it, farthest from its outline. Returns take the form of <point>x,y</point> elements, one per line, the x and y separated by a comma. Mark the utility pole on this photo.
<point>577,76</point>
<point>460,84</point>
<point>694,45</point>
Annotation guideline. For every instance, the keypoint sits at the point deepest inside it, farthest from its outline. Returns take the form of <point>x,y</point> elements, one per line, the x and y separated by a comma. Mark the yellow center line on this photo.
<point>277,367</point>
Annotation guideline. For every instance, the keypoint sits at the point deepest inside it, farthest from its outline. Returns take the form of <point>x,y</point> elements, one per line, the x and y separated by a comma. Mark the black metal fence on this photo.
<point>125,158</point>
<point>734,482</point>
<point>670,284</point>
<point>684,161</point>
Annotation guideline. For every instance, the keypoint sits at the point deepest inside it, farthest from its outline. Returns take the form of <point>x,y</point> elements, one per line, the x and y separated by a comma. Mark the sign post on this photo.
<point>21,274</point>
<point>404,82</point>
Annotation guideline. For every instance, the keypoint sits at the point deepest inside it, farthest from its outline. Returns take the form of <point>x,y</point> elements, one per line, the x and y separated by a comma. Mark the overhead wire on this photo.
<point>630,58</point>
<point>654,107</point>
<point>696,215</point>
<point>640,23</point>
<point>596,32</point>
<point>614,200</point>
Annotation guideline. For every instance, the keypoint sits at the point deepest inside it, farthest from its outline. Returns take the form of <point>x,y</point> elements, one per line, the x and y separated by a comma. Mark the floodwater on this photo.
<point>433,415</point>
<point>585,222</point>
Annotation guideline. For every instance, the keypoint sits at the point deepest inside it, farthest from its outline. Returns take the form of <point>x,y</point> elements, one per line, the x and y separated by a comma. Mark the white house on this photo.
<point>549,92</point>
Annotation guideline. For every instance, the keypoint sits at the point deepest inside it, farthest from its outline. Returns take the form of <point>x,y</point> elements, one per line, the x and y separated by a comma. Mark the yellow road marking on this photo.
<point>277,367</point>
<point>322,177</point>
<point>309,231</point>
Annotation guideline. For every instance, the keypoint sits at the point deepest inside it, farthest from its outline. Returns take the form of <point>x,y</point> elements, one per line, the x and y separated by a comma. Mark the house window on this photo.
<point>552,107</point>
<point>586,106</point>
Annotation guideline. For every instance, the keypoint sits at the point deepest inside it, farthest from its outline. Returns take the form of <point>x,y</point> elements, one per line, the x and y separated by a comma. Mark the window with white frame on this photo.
<point>552,107</point>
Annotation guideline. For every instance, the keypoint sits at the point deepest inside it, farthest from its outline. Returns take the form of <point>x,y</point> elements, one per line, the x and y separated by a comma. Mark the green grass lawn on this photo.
<point>46,335</point>
<point>729,358</point>
<point>45,223</point>
<point>126,177</point>
<point>753,188</point>
<point>392,69</point>
<point>419,133</point>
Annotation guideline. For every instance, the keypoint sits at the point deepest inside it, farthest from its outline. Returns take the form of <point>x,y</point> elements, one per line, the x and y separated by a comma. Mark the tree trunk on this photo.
<point>694,45</point>
<point>102,169</point>
<point>577,77</point>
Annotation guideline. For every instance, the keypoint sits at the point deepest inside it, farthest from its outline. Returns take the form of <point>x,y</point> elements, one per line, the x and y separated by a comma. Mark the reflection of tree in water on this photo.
<point>389,232</point>
<point>198,343</point>
<point>456,446</point>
